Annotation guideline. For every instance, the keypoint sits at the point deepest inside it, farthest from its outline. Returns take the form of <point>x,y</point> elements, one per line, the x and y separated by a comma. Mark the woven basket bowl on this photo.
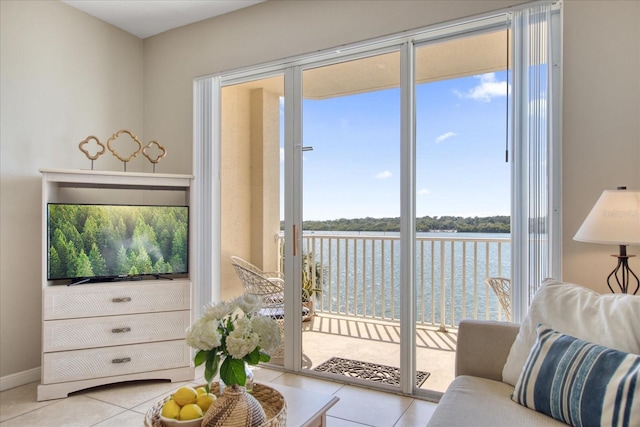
<point>273,403</point>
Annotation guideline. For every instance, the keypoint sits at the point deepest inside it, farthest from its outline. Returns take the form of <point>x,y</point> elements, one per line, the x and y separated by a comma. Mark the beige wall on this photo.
<point>601,96</point>
<point>601,124</point>
<point>250,185</point>
<point>65,76</point>
<point>235,173</point>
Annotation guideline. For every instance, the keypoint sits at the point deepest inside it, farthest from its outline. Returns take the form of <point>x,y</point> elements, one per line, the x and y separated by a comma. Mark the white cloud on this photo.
<point>281,155</point>
<point>488,88</point>
<point>444,136</point>
<point>423,192</point>
<point>383,175</point>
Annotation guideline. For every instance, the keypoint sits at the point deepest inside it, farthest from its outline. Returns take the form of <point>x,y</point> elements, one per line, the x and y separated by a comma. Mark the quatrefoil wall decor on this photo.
<point>134,138</point>
<point>146,151</point>
<point>84,147</point>
<point>153,151</point>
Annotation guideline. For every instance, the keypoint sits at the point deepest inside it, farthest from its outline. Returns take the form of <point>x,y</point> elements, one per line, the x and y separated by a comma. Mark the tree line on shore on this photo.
<point>491,224</point>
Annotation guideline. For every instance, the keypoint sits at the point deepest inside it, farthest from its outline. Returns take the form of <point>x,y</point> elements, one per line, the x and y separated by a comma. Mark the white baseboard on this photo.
<point>21,378</point>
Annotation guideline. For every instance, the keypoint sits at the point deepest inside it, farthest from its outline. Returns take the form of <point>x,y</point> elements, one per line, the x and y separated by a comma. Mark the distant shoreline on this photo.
<point>442,224</point>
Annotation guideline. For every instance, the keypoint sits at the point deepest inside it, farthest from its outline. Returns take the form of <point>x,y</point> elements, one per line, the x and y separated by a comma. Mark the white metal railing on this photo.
<point>360,275</point>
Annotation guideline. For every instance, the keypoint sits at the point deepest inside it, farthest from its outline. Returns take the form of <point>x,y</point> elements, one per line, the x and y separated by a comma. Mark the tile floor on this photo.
<point>123,405</point>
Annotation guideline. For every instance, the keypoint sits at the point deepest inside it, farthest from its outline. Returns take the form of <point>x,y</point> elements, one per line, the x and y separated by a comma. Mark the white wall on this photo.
<point>65,76</point>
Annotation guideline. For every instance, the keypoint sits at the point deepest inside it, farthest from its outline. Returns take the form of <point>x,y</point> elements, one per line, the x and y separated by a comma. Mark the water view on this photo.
<point>360,273</point>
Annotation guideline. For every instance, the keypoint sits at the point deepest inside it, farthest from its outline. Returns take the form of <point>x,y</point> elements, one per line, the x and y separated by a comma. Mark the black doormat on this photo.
<point>367,371</point>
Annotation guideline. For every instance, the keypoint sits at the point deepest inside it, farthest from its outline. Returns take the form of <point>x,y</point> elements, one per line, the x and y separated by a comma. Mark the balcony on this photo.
<point>358,311</point>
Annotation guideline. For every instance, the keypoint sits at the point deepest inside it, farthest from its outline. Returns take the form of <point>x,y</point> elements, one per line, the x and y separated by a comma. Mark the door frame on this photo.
<point>207,142</point>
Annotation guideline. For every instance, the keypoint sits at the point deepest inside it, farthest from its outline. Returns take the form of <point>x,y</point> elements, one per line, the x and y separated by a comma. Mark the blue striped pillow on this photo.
<point>580,383</point>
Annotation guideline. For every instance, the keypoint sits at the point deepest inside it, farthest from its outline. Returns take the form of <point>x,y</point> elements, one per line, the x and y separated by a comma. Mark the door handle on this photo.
<point>295,240</point>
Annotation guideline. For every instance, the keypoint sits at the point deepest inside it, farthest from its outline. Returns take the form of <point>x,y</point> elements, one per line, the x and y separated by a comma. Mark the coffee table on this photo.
<point>304,408</point>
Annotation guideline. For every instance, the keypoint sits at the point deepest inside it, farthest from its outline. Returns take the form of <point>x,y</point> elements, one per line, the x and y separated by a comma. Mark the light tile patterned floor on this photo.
<point>123,405</point>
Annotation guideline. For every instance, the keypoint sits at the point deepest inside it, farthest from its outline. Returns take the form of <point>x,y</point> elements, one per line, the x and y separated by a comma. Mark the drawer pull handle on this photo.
<point>120,330</point>
<point>123,360</point>
<point>125,299</point>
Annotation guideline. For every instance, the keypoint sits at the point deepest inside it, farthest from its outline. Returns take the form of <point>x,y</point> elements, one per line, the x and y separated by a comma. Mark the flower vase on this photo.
<point>234,408</point>
<point>248,385</point>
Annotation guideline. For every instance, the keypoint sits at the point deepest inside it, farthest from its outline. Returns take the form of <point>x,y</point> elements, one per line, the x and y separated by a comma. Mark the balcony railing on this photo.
<point>360,275</point>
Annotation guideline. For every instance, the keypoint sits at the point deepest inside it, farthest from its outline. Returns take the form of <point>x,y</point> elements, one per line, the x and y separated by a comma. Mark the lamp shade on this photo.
<point>614,219</point>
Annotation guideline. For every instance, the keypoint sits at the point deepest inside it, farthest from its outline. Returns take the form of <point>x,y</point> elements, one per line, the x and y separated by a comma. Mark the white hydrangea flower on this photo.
<point>248,303</point>
<point>242,326</point>
<point>268,331</point>
<point>233,322</point>
<point>241,342</point>
<point>219,311</point>
<point>204,334</point>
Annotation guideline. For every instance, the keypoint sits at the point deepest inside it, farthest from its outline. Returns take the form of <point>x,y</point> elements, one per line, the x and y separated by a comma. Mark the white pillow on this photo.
<point>611,320</point>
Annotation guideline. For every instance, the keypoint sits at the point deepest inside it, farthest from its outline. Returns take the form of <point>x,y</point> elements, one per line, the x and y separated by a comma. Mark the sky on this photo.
<point>354,168</point>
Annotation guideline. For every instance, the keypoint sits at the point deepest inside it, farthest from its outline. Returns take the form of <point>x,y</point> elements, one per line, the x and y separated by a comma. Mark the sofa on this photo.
<point>477,396</point>
<point>503,370</point>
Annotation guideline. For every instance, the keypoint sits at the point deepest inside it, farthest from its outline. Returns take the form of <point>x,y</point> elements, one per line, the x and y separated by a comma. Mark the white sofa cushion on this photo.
<point>610,320</point>
<point>479,402</point>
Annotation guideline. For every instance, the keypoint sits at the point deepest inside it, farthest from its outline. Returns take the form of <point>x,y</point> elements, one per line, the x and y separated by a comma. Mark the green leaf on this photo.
<point>232,372</point>
<point>211,368</point>
<point>264,357</point>
<point>201,357</point>
<point>253,358</point>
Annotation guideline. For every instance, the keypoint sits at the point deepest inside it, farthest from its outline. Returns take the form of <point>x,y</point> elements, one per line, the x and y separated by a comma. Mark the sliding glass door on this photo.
<point>358,172</point>
<point>251,184</point>
<point>462,193</point>
<point>351,209</point>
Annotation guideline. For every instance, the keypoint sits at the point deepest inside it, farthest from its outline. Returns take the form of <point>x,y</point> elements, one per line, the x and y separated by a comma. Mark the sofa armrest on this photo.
<point>483,347</point>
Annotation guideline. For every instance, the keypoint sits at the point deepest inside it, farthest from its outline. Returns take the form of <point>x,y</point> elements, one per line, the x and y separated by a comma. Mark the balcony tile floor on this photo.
<point>377,341</point>
<point>123,405</point>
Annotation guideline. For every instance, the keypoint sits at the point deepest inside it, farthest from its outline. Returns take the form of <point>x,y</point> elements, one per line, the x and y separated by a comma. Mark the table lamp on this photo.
<point>615,220</point>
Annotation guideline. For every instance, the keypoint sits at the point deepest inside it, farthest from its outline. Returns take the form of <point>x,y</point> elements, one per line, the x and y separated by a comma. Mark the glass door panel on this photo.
<point>462,192</point>
<point>251,194</point>
<point>351,209</point>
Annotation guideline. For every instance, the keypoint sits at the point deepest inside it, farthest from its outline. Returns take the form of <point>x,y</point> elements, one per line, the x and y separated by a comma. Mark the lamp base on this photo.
<point>623,273</point>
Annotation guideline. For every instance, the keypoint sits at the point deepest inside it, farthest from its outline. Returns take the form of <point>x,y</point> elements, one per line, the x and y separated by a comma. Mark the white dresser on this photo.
<point>101,333</point>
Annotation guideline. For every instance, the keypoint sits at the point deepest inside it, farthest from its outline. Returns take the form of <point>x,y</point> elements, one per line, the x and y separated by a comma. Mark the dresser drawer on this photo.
<point>111,361</point>
<point>70,302</point>
<point>73,334</point>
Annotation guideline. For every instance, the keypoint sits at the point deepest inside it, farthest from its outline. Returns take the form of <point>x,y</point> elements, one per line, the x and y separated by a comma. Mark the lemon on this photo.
<point>190,411</point>
<point>205,400</point>
<point>185,395</point>
<point>201,391</point>
<point>170,409</point>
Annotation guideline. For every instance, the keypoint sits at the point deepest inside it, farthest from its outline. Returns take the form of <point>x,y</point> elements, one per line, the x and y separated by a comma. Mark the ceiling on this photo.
<point>146,18</point>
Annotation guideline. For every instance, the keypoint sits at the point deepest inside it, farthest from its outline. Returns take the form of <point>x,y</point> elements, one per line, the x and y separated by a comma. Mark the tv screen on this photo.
<point>93,242</point>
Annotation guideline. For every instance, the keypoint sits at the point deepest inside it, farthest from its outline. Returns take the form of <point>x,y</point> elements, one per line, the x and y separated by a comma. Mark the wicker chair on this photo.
<point>268,286</point>
<point>502,288</point>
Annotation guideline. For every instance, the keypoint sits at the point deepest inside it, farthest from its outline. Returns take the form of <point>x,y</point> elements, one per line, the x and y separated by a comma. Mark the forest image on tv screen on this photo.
<point>87,241</point>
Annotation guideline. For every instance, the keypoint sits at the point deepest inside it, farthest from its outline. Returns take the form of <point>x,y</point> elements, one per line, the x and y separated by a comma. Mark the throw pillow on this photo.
<point>609,319</point>
<point>580,383</point>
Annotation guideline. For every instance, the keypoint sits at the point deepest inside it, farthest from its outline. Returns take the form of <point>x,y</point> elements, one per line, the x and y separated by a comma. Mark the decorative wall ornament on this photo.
<point>115,153</point>
<point>146,152</point>
<point>99,151</point>
<point>153,151</point>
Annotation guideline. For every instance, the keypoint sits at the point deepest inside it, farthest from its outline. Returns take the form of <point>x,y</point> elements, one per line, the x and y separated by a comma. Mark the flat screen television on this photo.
<point>99,242</point>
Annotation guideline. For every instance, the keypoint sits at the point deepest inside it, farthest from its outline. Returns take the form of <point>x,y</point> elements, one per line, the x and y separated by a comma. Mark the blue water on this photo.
<point>359,283</point>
